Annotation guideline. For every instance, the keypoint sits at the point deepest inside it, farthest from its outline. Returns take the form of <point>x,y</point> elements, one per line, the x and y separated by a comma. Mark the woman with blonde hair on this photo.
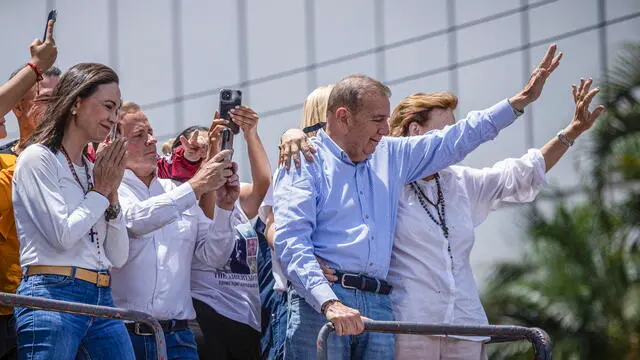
<point>314,110</point>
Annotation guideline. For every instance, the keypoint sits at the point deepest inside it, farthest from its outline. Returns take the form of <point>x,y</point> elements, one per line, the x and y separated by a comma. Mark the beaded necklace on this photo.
<point>92,233</point>
<point>439,206</point>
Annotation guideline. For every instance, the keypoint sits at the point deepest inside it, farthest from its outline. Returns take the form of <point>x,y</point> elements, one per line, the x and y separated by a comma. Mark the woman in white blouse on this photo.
<point>430,269</point>
<point>68,220</point>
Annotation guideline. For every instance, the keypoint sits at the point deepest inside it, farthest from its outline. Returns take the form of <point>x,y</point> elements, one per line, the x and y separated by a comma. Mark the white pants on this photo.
<point>438,348</point>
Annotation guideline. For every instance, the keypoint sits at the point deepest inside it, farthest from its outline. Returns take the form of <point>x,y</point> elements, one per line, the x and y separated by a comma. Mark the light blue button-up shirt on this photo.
<point>345,212</point>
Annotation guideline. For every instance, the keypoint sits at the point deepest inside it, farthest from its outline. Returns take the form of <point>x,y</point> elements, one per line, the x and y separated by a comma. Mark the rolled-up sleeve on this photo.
<point>295,196</point>
<point>429,153</point>
<point>516,180</point>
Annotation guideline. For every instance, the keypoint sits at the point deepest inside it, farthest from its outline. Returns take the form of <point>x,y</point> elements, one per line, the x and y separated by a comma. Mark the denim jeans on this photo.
<point>304,323</point>
<point>44,335</point>
<point>180,345</point>
<point>274,304</point>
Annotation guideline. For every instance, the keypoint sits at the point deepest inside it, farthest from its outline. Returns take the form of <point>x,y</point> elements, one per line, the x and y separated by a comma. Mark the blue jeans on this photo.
<point>44,335</point>
<point>180,345</point>
<point>274,304</point>
<point>304,324</point>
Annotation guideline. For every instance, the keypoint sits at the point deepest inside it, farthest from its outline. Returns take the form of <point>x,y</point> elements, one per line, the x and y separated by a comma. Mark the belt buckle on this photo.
<point>137,331</point>
<point>103,280</point>
<point>344,276</point>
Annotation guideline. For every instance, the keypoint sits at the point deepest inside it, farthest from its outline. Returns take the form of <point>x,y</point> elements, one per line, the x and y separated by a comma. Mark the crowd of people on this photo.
<point>367,216</point>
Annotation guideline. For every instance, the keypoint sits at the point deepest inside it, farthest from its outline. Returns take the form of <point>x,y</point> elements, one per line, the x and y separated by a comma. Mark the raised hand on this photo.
<point>228,194</point>
<point>109,168</point>
<point>43,55</point>
<point>246,118</point>
<point>583,119</point>
<point>212,174</point>
<point>533,88</point>
<point>195,148</point>
<point>215,140</point>
<point>292,142</point>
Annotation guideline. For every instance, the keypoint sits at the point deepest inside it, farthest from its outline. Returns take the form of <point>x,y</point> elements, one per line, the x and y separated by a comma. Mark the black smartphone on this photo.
<point>53,14</point>
<point>227,140</point>
<point>230,99</point>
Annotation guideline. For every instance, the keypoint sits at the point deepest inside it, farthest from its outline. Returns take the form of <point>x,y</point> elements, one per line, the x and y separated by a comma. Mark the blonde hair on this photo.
<point>315,107</point>
<point>416,108</point>
<point>129,107</point>
<point>166,147</point>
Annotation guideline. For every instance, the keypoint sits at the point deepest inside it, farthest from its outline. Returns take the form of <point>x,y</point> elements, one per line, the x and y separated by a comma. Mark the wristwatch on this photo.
<point>563,139</point>
<point>112,212</point>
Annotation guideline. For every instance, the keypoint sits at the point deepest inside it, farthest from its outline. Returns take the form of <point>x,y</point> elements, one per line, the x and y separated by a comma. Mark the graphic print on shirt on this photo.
<point>243,259</point>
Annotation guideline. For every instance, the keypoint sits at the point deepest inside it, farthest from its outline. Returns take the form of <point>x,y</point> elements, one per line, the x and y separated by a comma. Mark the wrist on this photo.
<point>197,190</point>
<point>571,132</point>
<point>519,101</point>
<point>327,304</point>
<point>251,134</point>
<point>101,192</point>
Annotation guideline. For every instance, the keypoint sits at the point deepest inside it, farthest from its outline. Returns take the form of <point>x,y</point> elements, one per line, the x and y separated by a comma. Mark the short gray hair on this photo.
<point>349,92</point>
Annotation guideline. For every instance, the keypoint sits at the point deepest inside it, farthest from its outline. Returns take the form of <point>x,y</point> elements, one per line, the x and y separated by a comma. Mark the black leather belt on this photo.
<point>363,282</point>
<point>168,326</point>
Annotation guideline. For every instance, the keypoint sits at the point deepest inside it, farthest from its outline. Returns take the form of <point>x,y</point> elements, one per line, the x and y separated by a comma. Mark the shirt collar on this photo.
<point>131,179</point>
<point>335,149</point>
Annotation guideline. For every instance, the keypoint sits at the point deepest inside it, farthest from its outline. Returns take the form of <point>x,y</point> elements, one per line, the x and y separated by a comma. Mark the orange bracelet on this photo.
<point>39,73</point>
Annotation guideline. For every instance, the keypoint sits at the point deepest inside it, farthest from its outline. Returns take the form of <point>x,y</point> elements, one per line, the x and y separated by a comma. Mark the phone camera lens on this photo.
<point>226,95</point>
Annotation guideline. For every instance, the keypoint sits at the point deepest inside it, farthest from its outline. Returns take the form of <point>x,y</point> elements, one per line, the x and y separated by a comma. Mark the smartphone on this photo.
<point>113,133</point>
<point>53,14</point>
<point>227,140</point>
<point>230,99</point>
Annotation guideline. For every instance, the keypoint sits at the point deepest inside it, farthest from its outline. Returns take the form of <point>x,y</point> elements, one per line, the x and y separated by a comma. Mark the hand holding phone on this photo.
<point>227,140</point>
<point>230,99</point>
<point>113,133</point>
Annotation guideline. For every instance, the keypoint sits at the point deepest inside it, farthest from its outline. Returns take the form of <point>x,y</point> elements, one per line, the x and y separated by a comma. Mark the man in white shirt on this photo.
<point>167,229</point>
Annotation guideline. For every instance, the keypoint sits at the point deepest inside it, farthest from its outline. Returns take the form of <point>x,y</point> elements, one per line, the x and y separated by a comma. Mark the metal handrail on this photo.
<point>539,339</point>
<point>40,303</point>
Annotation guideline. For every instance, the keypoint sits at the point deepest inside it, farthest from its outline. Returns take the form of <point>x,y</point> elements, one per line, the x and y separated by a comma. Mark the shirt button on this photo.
<point>370,264</point>
<point>361,193</point>
<point>366,216</point>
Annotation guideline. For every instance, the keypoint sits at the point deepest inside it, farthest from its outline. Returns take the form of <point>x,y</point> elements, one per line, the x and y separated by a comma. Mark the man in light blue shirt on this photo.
<point>342,208</point>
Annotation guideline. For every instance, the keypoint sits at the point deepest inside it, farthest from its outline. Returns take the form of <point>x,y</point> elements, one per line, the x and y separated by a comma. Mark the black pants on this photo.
<point>8,337</point>
<point>225,339</point>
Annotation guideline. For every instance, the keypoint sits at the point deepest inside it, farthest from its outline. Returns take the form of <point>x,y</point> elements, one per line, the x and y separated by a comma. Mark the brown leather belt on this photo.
<point>100,279</point>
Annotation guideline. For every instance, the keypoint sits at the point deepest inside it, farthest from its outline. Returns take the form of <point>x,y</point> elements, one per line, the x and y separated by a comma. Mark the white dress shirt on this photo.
<point>167,229</point>
<point>54,217</point>
<point>425,288</point>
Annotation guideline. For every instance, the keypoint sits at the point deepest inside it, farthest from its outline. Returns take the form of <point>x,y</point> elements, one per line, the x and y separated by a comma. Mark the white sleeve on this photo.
<point>511,180</point>
<point>143,217</point>
<point>36,189</point>
<point>116,245</point>
<point>267,204</point>
<point>216,237</point>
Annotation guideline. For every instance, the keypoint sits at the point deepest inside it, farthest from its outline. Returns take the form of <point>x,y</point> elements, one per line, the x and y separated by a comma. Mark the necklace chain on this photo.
<point>440,210</point>
<point>92,232</point>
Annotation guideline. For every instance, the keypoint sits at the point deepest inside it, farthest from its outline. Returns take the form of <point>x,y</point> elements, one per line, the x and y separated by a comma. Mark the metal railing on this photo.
<point>499,333</point>
<point>33,302</point>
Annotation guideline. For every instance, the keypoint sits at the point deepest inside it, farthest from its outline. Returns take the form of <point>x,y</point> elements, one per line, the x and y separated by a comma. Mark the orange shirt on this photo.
<point>10,271</point>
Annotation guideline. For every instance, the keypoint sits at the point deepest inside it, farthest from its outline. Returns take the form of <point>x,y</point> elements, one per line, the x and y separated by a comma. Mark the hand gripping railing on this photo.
<point>33,302</point>
<point>499,333</point>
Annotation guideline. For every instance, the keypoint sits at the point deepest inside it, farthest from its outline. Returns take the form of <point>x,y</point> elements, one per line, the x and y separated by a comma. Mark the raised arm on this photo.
<point>43,55</point>
<point>582,121</point>
<point>441,148</point>
<point>251,195</point>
